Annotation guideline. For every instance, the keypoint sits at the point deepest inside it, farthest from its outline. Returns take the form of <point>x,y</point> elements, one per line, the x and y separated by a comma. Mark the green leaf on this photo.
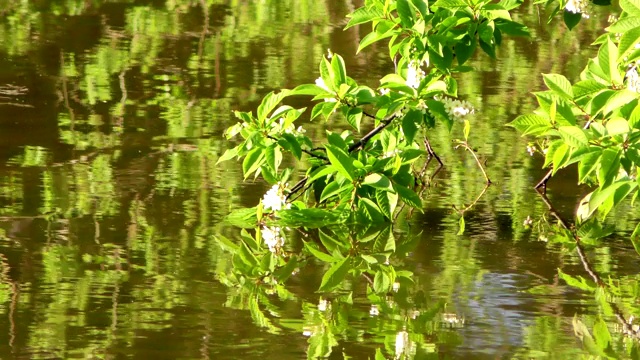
<point>310,89</point>
<point>617,126</point>
<point>465,48</point>
<point>632,7</point>
<point>559,85</point>
<point>269,102</point>
<point>600,196</point>
<point>335,275</point>
<point>408,196</point>
<point>571,19</point>
<point>378,181</point>
<point>461,226</point>
<point>253,160</point>
<point>635,238</point>
<point>405,12</point>
<point>560,157</point>
<point>322,108</point>
<point>363,15</point>
<point>525,123</point>
<point>577,282</point>
<point>450,4</point>
<point>587,87</point>
<point>608,61</point>
<point>228,155</point>
<point>370,210</point>
<point>618,99</point>
<point>341,161</point>
<point>290,143</point>
<point>588,164</point>
<point>354,117</point>
<point>387,202</point>
<point>335,188</point>
<point>573,136</point>
<point>623,25</point>
<point>601,334</point>
<point>315,251</point>
<point>246,255</point>
<point>381,282</point>
<point>311,218</point>
<point>609,165</point>
<point>409,124</point>
<point>385,243</point>
<point>627,43</point>
<point>380,355</point>
<point>384,29</point>
<point>243,218</point>
<point>339,71</point>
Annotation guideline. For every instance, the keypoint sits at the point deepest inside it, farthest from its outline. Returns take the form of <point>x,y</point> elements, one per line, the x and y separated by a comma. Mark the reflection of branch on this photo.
<point>462,211</point>
<point>431,155</point>
<point>626,324</point>
<point>466,146</point>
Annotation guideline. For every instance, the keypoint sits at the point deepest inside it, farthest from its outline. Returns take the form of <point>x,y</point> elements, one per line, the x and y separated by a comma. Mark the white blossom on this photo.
<point>578,7</point>
<point>374,310</point>
<point>384,91</point>
<point>275,199</point>
<point>272,237</point>
<point>329,54</point>
<point>457,109</point>
<point>396,286</point>
<point>414,74</point>
<point>322,305</point>
<point>528,221</point>
<point>402,340</point>
<point>531,149</point>
<point>391,153</point>
<point>632,79</point>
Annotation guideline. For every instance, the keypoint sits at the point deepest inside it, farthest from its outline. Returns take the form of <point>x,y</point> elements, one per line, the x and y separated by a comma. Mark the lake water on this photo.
<point>112,205</point>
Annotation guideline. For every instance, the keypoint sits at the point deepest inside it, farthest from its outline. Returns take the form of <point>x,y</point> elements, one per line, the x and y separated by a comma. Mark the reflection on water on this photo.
<point>111,115</point>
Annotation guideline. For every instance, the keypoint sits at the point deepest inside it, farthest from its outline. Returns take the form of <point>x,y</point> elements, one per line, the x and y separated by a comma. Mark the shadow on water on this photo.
<point>111,203</point>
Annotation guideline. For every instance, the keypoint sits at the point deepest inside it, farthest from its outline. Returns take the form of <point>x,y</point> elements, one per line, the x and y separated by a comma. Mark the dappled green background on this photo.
<point>111,115</point>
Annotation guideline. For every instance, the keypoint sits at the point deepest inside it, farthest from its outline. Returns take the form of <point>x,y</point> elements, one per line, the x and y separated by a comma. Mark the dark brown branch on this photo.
<point>432,153</point>
<point>365,139</point>
<point>542,184</point>
<point>358,144</point>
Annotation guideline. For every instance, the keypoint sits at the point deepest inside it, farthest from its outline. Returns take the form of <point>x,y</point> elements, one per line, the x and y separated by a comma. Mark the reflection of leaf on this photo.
<point>312,218</point>
<point>283,273</point>
<point>315,251</point>
<point>243,218</point>
<point>335,275</point>
<point>258,317</point>
<point>320,344</point>
<point>577,282</point>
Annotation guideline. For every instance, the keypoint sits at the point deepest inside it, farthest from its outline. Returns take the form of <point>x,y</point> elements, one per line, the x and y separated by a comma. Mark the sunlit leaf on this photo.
<point>378,181</point>
<point>381,282</point>
<point>341,161</point>
<point>362,15</point>
<point>335,275</point>
<point>559,85</point>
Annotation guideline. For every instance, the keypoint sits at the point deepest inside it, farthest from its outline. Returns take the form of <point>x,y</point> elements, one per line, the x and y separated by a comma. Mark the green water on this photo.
<point>111,115</point>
